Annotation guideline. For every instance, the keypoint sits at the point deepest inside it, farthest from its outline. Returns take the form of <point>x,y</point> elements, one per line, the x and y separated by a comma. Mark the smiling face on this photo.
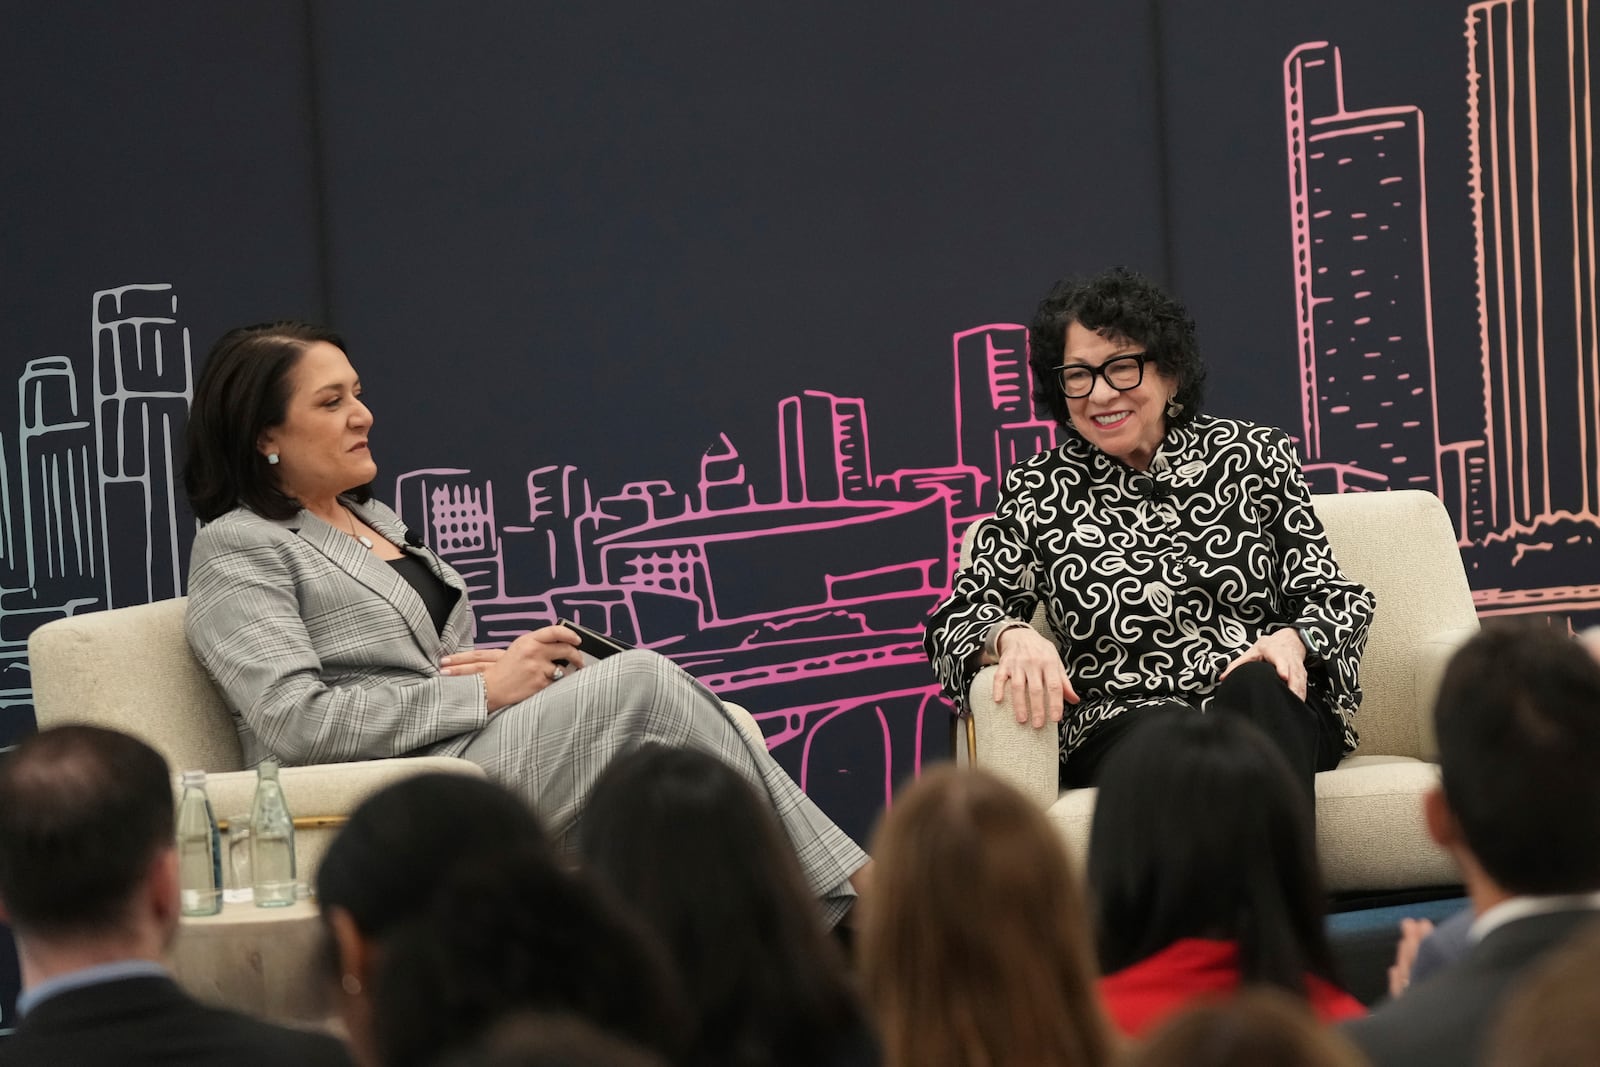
<point>1127,426</point>
<point>322,441</point>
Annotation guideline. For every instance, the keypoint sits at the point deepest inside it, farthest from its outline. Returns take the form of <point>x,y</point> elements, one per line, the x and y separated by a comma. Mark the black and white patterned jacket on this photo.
<point>1152,582</point>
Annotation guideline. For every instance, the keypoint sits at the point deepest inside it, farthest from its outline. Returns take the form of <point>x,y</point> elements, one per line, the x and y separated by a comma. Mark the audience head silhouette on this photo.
<point>534,1039</point>
<point>695,853</point>
<point>89,884</point>
<point>975,947</point>
<point>448,911</point>
<point>1202,831</point>
<point>1518,726</point>
<point>86,837</point>
<point>1258,1028</point>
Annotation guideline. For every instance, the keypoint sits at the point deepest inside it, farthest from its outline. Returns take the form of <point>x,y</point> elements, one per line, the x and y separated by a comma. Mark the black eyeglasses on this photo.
<point>1121,373</point>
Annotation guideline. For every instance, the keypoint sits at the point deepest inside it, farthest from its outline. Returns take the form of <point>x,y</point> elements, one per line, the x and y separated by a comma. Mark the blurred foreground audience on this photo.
<point>694,853</point>
<point>1553,1019</point>
<point>89,884</point>
<point>537,1040</point>
<point>1257,1028</point>
<point>1203,873</point>
<point>1517,722</point>
<point>448,912</point>
<point>974,946</point>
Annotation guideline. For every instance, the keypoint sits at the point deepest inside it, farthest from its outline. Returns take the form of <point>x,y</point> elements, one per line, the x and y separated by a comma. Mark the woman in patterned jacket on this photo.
<point>1175,553</point>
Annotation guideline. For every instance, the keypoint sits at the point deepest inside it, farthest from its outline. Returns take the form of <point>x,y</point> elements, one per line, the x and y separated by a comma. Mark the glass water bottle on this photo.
<point>199,854</point>
<point>271,841</point>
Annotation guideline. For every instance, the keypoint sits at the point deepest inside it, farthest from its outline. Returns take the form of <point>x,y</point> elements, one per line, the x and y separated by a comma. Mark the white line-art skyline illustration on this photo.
<point>88,505</point>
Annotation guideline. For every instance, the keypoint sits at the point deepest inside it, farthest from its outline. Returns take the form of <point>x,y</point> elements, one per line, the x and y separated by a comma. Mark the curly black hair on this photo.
<point>1122,304</point>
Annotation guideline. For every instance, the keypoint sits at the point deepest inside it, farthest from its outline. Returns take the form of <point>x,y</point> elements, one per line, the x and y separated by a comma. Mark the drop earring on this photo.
<point>272,459</point>
<point>1174,409</point>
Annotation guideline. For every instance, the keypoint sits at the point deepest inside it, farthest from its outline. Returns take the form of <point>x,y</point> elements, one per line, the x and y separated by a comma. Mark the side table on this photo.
<point>265,961</point>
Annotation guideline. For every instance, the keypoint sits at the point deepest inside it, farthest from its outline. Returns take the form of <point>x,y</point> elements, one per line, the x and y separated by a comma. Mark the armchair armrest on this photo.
<point>1433,654</point>
<point>1027,758</point>
<point>745,721</point>
<point>321,797</point>
<point>328,791</point>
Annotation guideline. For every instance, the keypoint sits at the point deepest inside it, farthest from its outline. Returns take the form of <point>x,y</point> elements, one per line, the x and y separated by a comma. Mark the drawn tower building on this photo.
<point>995,421</point>
<point>1532,144</point>
<point>60,551</point>
<point>143,382</point>
<point>823,448</point>
<point>1363,296</point>
<point>453,512</point>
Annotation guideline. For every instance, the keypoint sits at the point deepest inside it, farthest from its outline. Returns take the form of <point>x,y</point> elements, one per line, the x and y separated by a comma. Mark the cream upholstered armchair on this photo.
<point>130,669</point>
<point>1370,831</point>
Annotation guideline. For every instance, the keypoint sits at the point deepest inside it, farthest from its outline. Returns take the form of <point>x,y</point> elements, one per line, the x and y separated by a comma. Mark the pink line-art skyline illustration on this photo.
<point>1523,494</point>
<point>657,566</point>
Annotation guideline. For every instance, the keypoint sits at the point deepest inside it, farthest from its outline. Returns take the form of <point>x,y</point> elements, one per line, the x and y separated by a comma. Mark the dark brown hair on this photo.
<point>1258,1028</point>
<point>244,391</point>
<point>975,945</point>
<point>84,811</point>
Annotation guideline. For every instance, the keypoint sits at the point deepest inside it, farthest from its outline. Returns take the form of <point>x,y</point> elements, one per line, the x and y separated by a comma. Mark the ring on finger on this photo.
<point>558,674</point>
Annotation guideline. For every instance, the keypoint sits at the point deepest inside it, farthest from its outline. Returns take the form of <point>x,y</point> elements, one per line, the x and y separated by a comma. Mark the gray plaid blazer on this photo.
<point>324,652</point>
<point>326,655</point>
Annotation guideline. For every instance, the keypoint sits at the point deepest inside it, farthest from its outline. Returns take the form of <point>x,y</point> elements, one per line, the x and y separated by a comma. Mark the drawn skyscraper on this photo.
<point>13,558</point>
<point>724,482</point>
<point>1363,296</point>
<point>995,422</point>
<point>823,448</point>
<point>1532,146</point>
<point>453,512</point>
<point>56,446</point>
<point>142,385</point>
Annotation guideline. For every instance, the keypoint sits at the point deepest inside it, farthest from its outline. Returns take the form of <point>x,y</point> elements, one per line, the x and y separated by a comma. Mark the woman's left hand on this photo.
<point>1287,654</point>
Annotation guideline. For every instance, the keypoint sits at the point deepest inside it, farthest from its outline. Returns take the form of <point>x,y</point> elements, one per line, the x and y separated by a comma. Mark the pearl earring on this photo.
<point>351,984</point>
<point>272,459</point>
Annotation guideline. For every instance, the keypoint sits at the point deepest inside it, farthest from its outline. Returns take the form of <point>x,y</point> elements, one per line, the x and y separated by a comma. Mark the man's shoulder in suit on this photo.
<point>1446,1019</point>
<point>150,1020</point>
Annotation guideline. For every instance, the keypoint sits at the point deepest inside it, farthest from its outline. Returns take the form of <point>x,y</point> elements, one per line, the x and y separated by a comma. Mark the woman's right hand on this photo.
<point>529,664</point>
<point>1031,663</point>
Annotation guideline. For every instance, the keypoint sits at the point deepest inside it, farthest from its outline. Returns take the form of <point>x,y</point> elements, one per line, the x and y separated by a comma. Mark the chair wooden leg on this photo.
<point>960,724</point>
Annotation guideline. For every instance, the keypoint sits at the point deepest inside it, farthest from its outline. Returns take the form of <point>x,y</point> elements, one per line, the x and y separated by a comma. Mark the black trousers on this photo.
<point>1311,740</point>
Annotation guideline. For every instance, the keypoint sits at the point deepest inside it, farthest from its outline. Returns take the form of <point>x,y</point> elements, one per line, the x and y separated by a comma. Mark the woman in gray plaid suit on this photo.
<point>336,636</point>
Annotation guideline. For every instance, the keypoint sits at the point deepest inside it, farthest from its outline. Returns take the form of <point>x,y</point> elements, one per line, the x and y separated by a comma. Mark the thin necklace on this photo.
<point>366,542</point>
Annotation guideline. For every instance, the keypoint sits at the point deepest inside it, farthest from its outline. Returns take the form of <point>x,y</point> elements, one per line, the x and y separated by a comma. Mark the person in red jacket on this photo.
<point>1203,874</point>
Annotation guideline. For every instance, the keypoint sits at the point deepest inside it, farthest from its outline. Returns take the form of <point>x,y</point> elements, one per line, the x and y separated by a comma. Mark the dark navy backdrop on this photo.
<point>701,321</point>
